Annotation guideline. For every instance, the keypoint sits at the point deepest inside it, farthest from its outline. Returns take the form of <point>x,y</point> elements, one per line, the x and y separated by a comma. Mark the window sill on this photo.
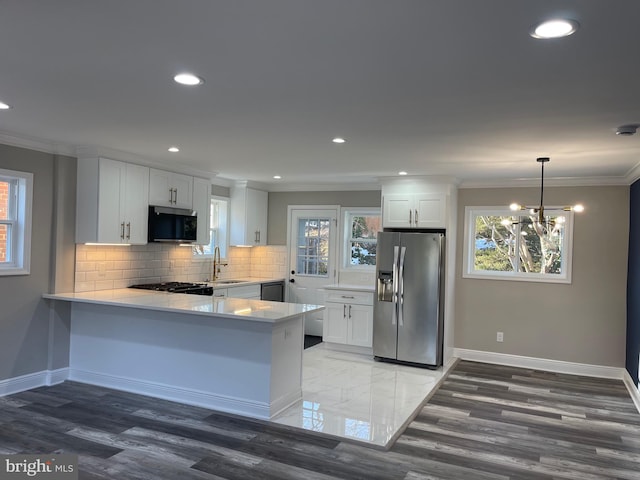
<point>518,278</point>
<point>8,271</point>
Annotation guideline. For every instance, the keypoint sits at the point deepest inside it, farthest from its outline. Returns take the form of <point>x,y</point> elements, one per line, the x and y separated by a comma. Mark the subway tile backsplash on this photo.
<point>106,267</point>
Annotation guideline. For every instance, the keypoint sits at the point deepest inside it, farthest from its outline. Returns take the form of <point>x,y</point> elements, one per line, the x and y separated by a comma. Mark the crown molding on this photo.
<point>322,187</point>
<point>37,144</point>
<point>633,174</point>
<point>88,151</point>
<point>548,182</point>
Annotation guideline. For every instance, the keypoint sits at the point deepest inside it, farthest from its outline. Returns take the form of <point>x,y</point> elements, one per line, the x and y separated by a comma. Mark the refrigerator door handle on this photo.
<point>394,313</point>
<point>403,251</point>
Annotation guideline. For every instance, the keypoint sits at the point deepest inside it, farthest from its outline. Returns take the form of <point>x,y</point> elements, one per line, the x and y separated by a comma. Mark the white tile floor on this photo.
<point>356,398</point>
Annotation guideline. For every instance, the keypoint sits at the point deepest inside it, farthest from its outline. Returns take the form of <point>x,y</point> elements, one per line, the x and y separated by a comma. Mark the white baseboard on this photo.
<point>32,380</point>
<point>634,390</point>
<point>239,406</point>
<point>549,365</point>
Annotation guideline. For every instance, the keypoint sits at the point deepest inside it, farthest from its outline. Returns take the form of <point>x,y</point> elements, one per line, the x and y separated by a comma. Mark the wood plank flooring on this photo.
<point>484,422</point>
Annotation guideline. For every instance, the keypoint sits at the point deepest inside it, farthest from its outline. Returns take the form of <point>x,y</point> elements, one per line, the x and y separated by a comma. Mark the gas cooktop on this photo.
<point>177,287</point>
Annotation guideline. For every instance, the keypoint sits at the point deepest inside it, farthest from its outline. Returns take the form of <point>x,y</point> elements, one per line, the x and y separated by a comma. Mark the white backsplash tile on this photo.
<point>107,267</point>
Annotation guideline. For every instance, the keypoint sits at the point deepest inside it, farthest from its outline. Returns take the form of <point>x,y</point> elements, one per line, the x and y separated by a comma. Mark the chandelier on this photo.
<point>540,210</point>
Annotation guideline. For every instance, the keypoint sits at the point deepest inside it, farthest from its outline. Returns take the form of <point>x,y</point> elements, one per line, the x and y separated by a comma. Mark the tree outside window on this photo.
<point>361,230</point>
<point>503,245</point>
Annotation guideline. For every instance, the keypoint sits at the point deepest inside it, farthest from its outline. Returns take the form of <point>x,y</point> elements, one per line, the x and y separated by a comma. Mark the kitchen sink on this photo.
<point>229,282</point>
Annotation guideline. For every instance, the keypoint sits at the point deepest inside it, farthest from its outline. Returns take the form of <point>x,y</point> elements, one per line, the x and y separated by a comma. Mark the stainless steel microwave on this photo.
<point>172,225</point>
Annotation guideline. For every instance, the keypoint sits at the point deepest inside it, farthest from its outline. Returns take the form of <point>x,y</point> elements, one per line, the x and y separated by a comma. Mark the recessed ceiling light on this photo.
<point>555,28</point>
<point>402,172</point>
<point>277,177</point>
<point>188,79</point>
<point>174,149</point>
<point>338,140</point>
<point>4,106</point>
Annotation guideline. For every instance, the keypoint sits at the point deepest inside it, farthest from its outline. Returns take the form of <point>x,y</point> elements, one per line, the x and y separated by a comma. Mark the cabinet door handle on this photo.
<point>256,236</point>
<point>349,311</point>
<point>347,296</point>
<point>410,218</point>
<point>344,311</point>
<point>128,230</point>
<point>171,195</point>
<point>416,217</point>
<point>122,230</point>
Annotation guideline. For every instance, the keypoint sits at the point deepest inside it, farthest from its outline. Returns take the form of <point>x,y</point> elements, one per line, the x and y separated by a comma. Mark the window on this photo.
<point>361,227</point>
<point>16,191</point>
<point>507,246</point>
<point>218,224</point>
<point>313,246</point>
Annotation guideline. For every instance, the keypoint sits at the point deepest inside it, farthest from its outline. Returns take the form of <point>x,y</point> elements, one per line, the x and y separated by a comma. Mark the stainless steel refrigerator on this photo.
<point>408,302</point>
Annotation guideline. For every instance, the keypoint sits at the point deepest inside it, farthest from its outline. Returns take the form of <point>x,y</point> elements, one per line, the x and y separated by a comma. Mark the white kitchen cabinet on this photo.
<point>202,207</point>
<point>414,210</point>
<point>348,318</point>
<point>244,291</point>
<point>251,292</point>
<point>169,189</point>
<point>112,202</point>
<point>248,216</point>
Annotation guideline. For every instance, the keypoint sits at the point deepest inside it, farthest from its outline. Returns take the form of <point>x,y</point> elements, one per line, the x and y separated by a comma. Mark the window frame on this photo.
<point>212,229</point>
<point>469,249</point>
<point>347,215</point>
<point>20,205</point>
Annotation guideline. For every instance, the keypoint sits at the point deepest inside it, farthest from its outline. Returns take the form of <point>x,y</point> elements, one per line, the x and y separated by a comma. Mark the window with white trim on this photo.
<point>361,227</point>
<point>502,245</point>
<point>219,229</point>
<point>16,194</point>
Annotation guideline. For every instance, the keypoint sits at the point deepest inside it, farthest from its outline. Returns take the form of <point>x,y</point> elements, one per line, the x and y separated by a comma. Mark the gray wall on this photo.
<point>279,201</point>
<point>583,322</point>
<point>27,335</point>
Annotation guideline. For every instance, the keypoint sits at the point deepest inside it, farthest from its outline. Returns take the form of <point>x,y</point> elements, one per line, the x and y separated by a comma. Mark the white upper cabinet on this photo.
<point>249,209</point>
<point>418,202</point>
<point>414,210</point>
<point>112,202</point>
<point>168,189</point>
<point>202,207</point>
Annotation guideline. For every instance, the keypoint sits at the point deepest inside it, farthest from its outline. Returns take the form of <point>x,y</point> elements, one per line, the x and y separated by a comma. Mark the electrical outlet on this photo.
<point>500,337</point>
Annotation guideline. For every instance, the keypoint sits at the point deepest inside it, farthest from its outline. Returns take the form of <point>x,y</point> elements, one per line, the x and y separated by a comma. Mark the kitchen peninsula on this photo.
<point>235,355</point>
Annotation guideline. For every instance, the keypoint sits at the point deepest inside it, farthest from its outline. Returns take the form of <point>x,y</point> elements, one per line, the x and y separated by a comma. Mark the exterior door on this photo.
<point>312,258</point>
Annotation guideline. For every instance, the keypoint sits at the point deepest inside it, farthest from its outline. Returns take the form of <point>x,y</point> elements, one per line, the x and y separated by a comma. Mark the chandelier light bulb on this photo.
<point>578,208</point>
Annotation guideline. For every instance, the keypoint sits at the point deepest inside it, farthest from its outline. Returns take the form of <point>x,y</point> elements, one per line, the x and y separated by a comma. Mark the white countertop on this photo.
<point>353,287</point>
<point>238,308</point>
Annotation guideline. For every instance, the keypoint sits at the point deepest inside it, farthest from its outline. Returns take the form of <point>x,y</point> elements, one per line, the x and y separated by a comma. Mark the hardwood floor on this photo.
<point>485,422</point>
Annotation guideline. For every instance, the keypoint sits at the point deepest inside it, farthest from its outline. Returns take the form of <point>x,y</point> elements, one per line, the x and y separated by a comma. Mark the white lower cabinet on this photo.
<point>348,318</point>
<point>244,291</point>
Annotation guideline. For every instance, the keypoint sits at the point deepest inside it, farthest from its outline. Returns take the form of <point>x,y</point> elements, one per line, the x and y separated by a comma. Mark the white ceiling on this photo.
<point>433,87</point>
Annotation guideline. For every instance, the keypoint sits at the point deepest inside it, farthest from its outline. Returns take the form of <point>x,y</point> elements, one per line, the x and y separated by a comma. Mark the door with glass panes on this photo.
<point>312,258</point>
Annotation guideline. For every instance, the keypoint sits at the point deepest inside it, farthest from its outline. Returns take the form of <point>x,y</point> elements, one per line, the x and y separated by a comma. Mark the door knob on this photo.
<point>293,280</point>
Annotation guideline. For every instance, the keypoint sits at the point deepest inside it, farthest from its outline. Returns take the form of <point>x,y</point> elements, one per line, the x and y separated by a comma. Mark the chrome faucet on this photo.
<point>216,263</point>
